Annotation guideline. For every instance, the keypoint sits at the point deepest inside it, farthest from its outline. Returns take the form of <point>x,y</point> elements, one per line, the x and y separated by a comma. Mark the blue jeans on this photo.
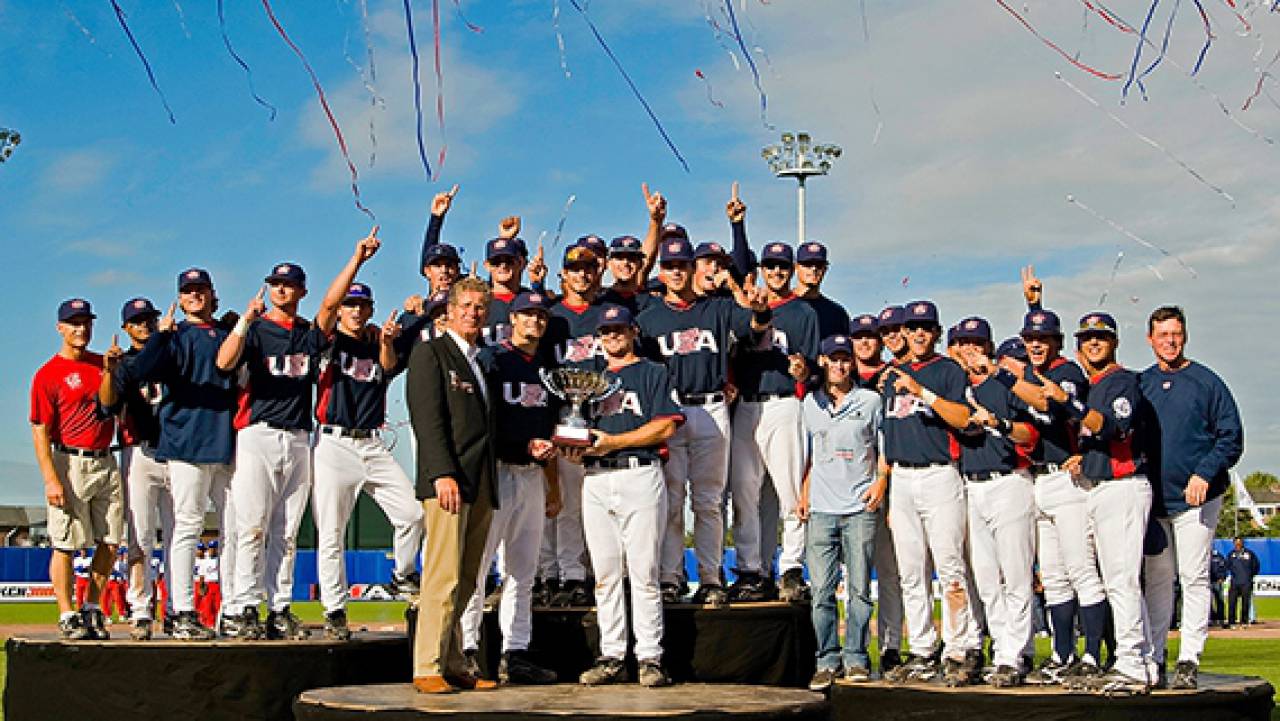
<point>833,539</point>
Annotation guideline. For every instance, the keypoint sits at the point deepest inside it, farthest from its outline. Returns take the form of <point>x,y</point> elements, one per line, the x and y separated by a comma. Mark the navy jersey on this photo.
<point>871,381</point>
<point>415,328</point>
<point>497,329</point>
<point>634,301</point>
<point>282,361</point>
<point>1113,452</point>
<point>762,367</point>
<point>1199,432</point>
<point>199,403</point>
<point>913,433</point>
<point>645,396</point>
<point>987,449</point>
<point>352,388</point>
<point>140,400</point>
<point>430,238</point>
<point>693,340</point>
<point>1056,428</point>
<point>528,410</point>
<point>833,319</point>
<point>571,339</point>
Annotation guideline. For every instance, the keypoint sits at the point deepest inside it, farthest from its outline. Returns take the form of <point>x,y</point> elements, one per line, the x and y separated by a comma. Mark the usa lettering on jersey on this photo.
<point>902,406</point>
<point>525,395</point>
<point>688,341</point>
<point>622,402</point>
<point>497,334</point>
<point>293,365</point>
<point>361,370</point>
<point>774,339</point>
<point>577,350</point>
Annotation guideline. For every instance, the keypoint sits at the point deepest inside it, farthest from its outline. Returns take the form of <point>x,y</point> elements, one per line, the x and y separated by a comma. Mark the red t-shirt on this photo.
<point>64,399</point>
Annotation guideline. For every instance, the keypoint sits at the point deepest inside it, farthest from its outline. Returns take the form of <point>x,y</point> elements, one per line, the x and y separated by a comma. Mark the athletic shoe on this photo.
<point>471,663</point>
<point>1078,675</point>
<point>335,626</point>
<point>748,588</point>
<point>920,669</point>
<point>140,629</point>
<point>406,585</point>
<point>1185,676</point>
<point>711,594</point>
<point>857,674</point>
<point>1005,677</point>
<point>651,675</point>
<point>167,624</point>
<point>1049,673</point>
<point>96,622</point>
<point>542,592</point>
<point>245,626</point>
<point>1117,683</point>
<point>794,589</point>
<point>606,670</point>
<point>583,595</point>
<point>823,678</point>
<point>1026,664</point>
<point>958,672</point>
<point>187,627</point>
<point>670,592</point>
<point>572,593</point>
<point>515,667</point>
<point>889,660</point>
<point>283,625</point>
<point>72,628</point>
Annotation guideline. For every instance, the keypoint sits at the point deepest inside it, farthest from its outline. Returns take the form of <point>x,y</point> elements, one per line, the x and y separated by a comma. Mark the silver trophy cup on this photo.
<point>576,387</point>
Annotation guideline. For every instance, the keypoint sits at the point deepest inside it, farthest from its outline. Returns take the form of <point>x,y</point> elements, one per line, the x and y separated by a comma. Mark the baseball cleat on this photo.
<point>335,626</point>
<point>406,585</point>
<point>915,669</point>
<point>670,592</point>
<point>857,674</point>
<point>606,670</point>
<point>956,673</point>
<point>140,629</point>
<point>471,663</point>
<point>245,625</point>
<point>711,594</point>
<point>96,623</point>
<point>72,628</point>
<point>823,678</point>
<point>1005,677</point>
<point>793,588</point>
<point>572,593</point>
<point>515,667</point>
<point>748,588</point>
<point>651,675</point>
<point>167,624</point>
<point>1078,675</point>
<point>1049,673</point>
<point>494,597</point>
<point>284,625</point>
<point>187,627</point>
<point>889,660</point>
<point>1185,676</point>
<point>1116,683</point>
<point>542,592</point>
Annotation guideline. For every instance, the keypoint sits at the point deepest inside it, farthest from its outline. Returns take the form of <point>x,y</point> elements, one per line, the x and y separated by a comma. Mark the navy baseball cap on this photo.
<point>1098,322</point>
<point>892,315</point>
<point>194,276</point>
<point>811,252</point>
<point>438,251</point>
<point>1041,322</point>
<point>73,308</point>
<point>137,308</point>
<point>1012,348</point>
<point>358,291</point>
<point>288,273</point>
<point>578,254</point>
<point>920,311</point>
<point>625,245</point>
<point>676,249</point>
<point>673,230</point>
<point>435,303</point>
<point>777,253</point>
<point>951,336</point>
<point>833,344</point>
<point>613,315</point>
<point>708,250</point>
<point>499,247</point>
<point>865,323</point>
<point>529,301</point>
<point>596,244</point>
<point>973,328</point>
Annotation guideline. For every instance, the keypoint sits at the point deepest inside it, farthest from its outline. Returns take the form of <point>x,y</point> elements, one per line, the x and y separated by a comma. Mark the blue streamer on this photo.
<point>417,88</point>
<point>623,71</point>
<point>1164,44</point>
<point>755,72</point>
<point>222,24</point>
<point>1208,39</point>
<point>141,56</point>
<point>1137,55</point>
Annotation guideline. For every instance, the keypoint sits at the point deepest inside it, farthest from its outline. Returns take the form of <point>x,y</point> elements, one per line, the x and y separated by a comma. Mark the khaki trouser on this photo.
<point>455,544</point>
<point>94,508</point>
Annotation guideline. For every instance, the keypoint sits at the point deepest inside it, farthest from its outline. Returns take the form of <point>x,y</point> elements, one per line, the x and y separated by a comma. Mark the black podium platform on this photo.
<point>629,702</point>
<point>1219,698</point>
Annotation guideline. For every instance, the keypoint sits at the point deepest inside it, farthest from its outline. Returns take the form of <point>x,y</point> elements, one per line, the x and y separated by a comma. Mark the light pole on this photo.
<point>796,157</point>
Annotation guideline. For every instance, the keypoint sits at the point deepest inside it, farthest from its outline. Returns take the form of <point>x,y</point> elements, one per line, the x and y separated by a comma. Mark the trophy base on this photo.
<point>572,436</point>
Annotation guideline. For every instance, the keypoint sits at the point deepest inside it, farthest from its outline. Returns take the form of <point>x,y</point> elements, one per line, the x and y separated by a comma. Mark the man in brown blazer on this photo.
<point>454,421</point>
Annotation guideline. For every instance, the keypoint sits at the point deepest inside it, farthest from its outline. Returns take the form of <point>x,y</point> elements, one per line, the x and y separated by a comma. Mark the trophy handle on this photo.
<point>614,386</point>
<point>550,384</point>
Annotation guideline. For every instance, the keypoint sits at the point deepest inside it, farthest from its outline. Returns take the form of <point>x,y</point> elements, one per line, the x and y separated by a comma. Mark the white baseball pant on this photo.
<point>1117,519</point>
<point>1190,535</point>
<point>344,467</point>
<point>1002,545</point>
<point>767,436</point>
<point>623,512</point>
<point>888,587</point>
<point>699,456</point>
<point>516,528</point>
<point>927,512</point>
<point>147,499</point>
<point>193,486</point>
<point>563,545</point>
<point>270,488</point>
<point>1068,562</point>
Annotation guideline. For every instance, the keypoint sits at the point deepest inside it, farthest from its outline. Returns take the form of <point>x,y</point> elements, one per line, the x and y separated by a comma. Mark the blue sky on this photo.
<point>965,182</point>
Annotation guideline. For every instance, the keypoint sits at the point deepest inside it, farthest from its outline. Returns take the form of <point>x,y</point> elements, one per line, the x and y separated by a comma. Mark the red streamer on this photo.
<point>1111,19</point>
<point>324,104</point>
<point>710,97</point>
<point>457,4</point>
<point>1088,69</point>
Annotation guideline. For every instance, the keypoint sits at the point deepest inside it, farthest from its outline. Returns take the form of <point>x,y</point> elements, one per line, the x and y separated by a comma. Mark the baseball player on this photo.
<point>504,258</point>
<point>811,269</point>
<point>146,479</point>
<point>113,604</point>
<point>441,265</point>
<point>212,584</point>
<point>1065,554</point>
<point>998,486</point>
<point>80,568</point>
<point>1110,464</point>
<point>624,504</point>
<point>71,431</point>
<point>924,406</point>
<point>1199,439</point>
<point>528,489</point>
<point>692,335</point>
<point>1242,565</point>
<point>350,457</point>
<point>767,432</point>
<point>197,439</point>
<point>280,351</point>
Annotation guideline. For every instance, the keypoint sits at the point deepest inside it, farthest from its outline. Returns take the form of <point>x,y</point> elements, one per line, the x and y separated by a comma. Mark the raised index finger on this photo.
<point>454,190</point>
<point>262,292</point>
<point>644,188</point>
<point>733,190</point>
<point>173,307</point>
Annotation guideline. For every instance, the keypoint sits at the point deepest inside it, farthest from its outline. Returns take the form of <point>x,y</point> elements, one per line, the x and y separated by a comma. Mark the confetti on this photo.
<point>1124,231</point>
<point>417,88</point>
<point>710,96</point>
<point>226,41</point>
<point>1088,69</point>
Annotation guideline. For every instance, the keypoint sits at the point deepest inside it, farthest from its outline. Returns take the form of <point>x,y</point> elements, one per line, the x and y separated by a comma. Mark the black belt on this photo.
<point>979,476</point>
<point>82,452</point>
<point>279,426</point>
<point>341,432</point>
<point>762,397</point>
<point>1041,469</point>
<point>701,399</point>
<point>613,464</point>
<point>927,464</point>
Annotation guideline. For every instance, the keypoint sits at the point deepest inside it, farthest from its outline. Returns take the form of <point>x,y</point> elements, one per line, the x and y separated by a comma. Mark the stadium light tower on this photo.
<point>797,157</point>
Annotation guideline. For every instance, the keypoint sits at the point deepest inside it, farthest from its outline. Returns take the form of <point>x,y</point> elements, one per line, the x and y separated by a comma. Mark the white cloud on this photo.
<point>77,170</point>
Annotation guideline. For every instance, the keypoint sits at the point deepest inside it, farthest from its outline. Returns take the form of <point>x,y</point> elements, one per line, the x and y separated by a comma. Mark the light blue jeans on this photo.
<point>833,539</point>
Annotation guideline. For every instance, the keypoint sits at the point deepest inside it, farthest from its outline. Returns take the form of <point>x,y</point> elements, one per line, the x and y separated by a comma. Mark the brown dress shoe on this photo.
<point>472,683</point>
<point>432,684</point>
